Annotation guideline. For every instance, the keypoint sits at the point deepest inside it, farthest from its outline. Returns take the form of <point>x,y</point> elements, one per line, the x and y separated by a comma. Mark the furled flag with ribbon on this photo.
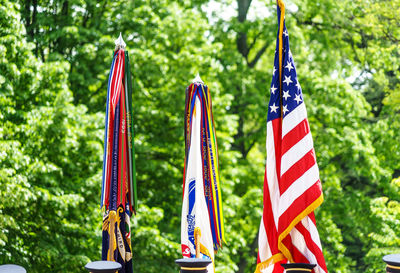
<point>202,227</point>
<point>292,188</point>
<point>118,198</point>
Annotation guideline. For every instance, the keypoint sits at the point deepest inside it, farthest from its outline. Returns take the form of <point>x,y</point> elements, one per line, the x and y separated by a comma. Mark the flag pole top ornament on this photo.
<point>197,79</point>
<point>120,43</point>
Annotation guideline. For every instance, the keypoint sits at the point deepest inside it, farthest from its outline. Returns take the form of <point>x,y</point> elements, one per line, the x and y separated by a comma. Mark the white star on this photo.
<point>297,84</point>
<point>273,72</point>
<point>287,80</point>
<point>285,109</point>
<point>273,88</point>
<point>297,98</point>
<point>273,108</point>
<point>285,33</point>
<point>289,66</point>
<point>286,95</point>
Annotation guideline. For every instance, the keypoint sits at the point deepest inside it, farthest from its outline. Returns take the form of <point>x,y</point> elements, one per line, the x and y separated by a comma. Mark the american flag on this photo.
<point>292,188</point>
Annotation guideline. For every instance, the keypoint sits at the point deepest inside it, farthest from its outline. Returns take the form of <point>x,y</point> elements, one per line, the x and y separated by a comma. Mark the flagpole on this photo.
<point>202,224</point>
<point>281,6</point>
<point>118,169</point>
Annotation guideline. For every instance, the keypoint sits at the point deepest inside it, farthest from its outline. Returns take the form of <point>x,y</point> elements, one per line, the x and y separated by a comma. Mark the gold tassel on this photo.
<point>200,248</point>
<point>111,232</point>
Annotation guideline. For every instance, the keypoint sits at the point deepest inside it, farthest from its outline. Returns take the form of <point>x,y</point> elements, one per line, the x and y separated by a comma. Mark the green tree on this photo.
<point>50,160</point>
<point>55,58</point>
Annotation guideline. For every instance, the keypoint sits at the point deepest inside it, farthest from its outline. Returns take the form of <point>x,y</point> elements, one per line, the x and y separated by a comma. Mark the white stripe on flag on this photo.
<point>297,188</point>
<point>263,246</point>
<point>309,225</point>
<point>296,152</point>
<point>300,243</point>
<point>293,118</point>
<point>272,176</point>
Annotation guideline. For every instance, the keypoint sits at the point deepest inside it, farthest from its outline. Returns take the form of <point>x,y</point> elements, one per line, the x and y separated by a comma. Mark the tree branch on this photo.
<point>243,9</point>
<point>254,40</point>
<point>241,42</point>
<point>258,56</point>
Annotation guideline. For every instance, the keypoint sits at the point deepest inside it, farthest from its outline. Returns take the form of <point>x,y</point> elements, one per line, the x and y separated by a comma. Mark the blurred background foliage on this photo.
<point>54,62</point>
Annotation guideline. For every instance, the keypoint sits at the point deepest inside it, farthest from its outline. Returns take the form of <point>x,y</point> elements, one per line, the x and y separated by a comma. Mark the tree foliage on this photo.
<point>55,58</point>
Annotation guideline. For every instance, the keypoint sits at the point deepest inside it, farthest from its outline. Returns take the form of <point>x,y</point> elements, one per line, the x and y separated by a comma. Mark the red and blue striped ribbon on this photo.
<point>104,182</point>
<point>118,181</point>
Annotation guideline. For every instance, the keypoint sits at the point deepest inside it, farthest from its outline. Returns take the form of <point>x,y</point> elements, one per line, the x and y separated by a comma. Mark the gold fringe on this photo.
<point>273,260</point>
<point>111,233</point>
<point>296,220</point>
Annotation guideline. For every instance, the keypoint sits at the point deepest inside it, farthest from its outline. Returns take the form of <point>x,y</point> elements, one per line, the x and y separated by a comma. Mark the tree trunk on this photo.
<point>243,48</point>
<point>243,262</point>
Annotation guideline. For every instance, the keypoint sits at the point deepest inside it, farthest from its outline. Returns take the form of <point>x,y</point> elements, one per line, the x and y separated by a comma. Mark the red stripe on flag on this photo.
<point>296,171</point>
<point>278,268</point>
<point>296,254</point>
<point>312,217</point>
<point>268,219</point>
<point>311,245</point>
<point>299,205</point>
<point>295,135</point>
